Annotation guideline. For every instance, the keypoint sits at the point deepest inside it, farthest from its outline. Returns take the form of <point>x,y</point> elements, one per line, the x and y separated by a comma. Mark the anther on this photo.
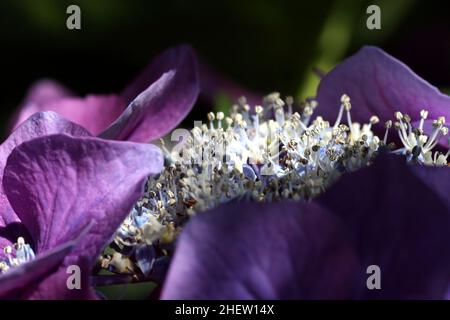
<point>345,99</point>
<point>398,115</point>
<point>374,120</point>
<point>423,114</point>
<point>259,110</point>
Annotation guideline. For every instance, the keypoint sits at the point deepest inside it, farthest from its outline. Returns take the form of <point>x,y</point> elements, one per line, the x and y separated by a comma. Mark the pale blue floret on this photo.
<point>16,255</point>
<point>25,253</point>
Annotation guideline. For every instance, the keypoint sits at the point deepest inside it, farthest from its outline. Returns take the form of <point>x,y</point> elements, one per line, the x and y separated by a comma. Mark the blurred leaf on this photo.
<point>346,29</point>
<point>222,102</point>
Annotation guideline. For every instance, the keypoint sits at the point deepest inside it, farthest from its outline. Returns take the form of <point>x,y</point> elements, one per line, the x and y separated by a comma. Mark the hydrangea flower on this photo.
<point>152,105</point>
<point>268,202</point>
<point>62,197</point>
<point>282,151</point>
<point>294,155</point>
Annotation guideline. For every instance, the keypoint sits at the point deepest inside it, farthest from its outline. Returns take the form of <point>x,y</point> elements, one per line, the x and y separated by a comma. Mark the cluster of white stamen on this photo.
<point>417,146</point>
<point>15,255</point>
<point>278,151</point>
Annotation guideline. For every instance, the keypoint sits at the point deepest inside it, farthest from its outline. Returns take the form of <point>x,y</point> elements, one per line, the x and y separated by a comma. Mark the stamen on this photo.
<point>423,117</point>
<point>220,116</point>
<point>229,122</point>
<point>258,110</point>
<point>437,125</point>
<point>279,115</point>
<point>307,113</point>
<point>289,102</point>
<point>387,125</point>
<point>211,119</point>
<point>402,134</point>
<point>373,120</point>
<point>268,156</point>
<point>418,146</point>
<point>341,111</point>
<point>347,106</point>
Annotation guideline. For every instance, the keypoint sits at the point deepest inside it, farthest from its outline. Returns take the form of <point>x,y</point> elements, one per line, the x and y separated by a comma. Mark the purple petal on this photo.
<point>435,180</point>
<point>39,124</point>
<point>54,287</point>
<point>181,56</point>
<point>46,90</point>
<point>399,217</point>
<point>159,99</point>
<point>40,93</point>
<point>262,251</point>
<point>59,184</point>
<point>379,84</point>
<point>95,113</point>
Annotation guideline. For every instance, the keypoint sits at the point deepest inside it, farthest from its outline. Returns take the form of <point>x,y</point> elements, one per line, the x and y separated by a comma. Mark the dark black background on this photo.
<point>263,45</point>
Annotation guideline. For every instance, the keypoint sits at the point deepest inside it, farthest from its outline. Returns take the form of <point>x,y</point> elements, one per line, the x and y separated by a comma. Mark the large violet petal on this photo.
<point>378,84</point>
<point>159,99</point>
<point>39,124</point>
<point>59,184</point>
<point>54,286</point>
<point>94,112</point>
<point>399,215</point>
<point>45,90</point>
<point>262,251</point>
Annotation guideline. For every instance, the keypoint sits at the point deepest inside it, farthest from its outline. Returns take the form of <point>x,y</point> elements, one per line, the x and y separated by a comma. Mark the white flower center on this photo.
<point>278,152</point>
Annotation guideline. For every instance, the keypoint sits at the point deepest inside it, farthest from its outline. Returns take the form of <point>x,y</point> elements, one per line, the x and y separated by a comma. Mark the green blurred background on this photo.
<point>263,45</point>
